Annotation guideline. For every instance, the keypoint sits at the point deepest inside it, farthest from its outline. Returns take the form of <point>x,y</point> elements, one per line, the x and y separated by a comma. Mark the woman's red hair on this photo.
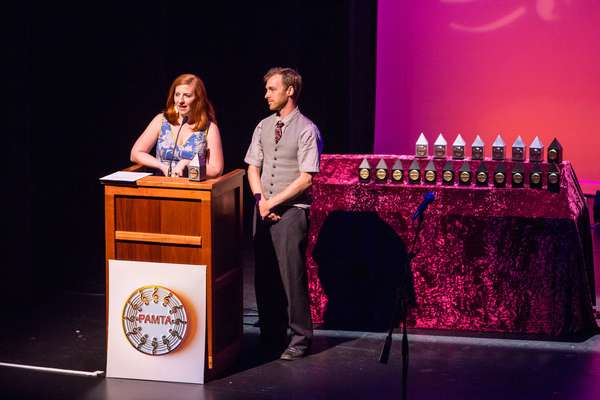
<point>203,113</point>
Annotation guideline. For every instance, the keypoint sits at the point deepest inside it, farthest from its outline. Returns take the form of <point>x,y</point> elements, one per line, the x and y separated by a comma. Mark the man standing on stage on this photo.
<point>287,148</point>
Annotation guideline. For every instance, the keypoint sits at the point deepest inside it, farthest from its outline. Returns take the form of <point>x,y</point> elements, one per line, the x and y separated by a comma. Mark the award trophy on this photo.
<point>500,176</point>
<point>381,172</point>
<point>464,174</point>
<point>518,150</point>
<point>197,169</point>
<point>554,178</point>
<point>448,174</point>
<point>364,171</point>
<point>414,172</point>
<point>477,149</point>
<point>398,172</point>
<point>536,151</point>
<point>482,177</point>
<point>518,176</point>
<point>555,152</point>
<point>535,177</point>
<point>439,147</point>
<point>499,149</point>
<point>430,173</point>
<point>421,147</point>
<point>458,148</point>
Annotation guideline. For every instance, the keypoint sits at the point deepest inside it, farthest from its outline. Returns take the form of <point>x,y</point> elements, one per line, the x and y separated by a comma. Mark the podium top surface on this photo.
<point>181,183</point>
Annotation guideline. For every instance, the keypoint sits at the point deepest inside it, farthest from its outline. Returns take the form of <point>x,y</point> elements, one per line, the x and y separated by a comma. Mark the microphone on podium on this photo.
<point>429,198</point>
<point>185,119</point>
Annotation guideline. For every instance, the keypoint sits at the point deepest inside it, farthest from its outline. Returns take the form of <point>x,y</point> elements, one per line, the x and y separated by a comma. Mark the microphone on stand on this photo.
<point>175,147</point>
<point>429,198</point>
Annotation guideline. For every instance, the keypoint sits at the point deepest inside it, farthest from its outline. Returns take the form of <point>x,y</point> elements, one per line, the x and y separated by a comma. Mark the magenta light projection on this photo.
<point>486,67</point>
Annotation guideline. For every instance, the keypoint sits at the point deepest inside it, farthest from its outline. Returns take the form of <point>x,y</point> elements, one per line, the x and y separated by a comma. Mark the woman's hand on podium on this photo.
<point>179,170</point>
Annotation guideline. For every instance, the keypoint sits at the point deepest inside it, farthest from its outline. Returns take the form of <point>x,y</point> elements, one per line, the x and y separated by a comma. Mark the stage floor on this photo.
<point>69,333</point>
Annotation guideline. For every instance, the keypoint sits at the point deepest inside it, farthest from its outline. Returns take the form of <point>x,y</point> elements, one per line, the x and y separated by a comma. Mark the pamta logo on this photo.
<point>154,320</point>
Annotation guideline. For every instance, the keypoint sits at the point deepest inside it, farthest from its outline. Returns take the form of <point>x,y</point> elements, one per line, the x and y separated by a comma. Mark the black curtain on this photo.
<point>81,81</point>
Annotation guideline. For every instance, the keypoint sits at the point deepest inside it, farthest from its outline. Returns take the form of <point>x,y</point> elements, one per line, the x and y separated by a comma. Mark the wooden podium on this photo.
<point>174,220</point>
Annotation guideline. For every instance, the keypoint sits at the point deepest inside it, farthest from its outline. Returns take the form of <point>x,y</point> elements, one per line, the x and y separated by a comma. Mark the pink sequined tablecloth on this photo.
<point>489,259</point>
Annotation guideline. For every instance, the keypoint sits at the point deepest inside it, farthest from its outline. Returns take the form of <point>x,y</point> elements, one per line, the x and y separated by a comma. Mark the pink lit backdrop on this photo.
<point>491,67</point>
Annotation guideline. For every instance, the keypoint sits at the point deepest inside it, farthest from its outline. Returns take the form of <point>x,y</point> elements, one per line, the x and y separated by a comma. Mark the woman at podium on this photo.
<point>185,128</point>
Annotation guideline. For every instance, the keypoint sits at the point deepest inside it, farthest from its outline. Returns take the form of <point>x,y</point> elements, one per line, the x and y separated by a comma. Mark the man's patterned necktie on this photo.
<point>278,131</point>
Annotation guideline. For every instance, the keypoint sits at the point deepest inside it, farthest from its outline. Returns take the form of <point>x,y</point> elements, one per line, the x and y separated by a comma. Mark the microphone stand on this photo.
<point>403,297</point>
<point>175,147</point>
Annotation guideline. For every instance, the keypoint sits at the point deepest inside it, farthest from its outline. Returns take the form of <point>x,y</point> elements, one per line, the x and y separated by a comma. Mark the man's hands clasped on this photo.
<point>265,211</point>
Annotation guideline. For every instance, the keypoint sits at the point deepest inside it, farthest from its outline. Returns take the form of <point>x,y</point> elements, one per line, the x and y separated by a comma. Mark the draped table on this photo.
<point>489,259</point>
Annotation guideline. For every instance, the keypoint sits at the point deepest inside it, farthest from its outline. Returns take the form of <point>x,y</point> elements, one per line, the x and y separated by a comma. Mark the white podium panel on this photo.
<point>156,321</point>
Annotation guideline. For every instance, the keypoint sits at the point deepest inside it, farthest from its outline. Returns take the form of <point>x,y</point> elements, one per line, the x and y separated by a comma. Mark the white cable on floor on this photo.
<point>55,370</point>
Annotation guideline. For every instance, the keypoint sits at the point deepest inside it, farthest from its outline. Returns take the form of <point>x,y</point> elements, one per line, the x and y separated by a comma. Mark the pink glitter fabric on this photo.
<point>489,259</point>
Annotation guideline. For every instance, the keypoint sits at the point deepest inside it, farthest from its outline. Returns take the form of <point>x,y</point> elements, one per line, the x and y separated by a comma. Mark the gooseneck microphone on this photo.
<point>429,198</point>
<point>175,147</point>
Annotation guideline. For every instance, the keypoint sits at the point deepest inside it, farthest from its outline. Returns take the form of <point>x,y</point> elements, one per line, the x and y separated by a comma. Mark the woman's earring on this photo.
<point>176,109</point>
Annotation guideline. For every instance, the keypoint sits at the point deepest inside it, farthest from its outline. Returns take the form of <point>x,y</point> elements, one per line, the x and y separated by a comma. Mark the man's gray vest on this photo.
<point>280,163</point>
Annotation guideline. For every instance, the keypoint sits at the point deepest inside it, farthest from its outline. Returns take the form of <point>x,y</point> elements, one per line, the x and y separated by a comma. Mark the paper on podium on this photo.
<point>125,176</point>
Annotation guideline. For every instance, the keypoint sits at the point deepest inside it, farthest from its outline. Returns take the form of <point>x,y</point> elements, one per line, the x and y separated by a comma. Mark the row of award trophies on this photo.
<point>517,176</point>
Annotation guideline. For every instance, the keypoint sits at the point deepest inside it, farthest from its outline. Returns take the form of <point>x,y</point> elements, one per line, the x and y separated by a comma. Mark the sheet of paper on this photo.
<point>125,176</point>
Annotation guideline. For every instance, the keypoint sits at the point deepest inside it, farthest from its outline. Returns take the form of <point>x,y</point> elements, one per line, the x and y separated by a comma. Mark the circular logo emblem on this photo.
<point>477,152</point>
<point>448,176</point>
<point>553,178</point>
<point>193,173</point>
<point>517,153</point>
<point>517,178</point>
<point>381,174</point>
<point>440,151</point>
<point>397,175</point>
<point>459,151</point>
<point>414,174</point>
<point>499,177</point>
<point>364,173</point>
<point>482,177</point>
<point>154,320</point>
<point>421,150</point>
<point>465,177</point>
<point>552,154</point>
<point>430,176</point>
<point>536,178</point>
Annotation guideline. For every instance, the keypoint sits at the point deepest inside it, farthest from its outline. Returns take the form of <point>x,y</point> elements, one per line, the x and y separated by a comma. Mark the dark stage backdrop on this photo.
<point>81,81</point>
